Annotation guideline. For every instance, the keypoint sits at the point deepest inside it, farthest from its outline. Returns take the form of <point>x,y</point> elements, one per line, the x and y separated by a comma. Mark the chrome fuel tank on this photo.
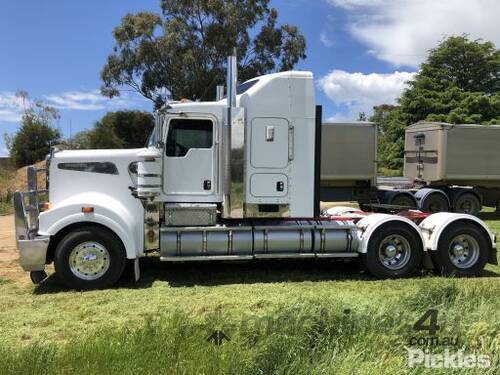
<point>300,238</point>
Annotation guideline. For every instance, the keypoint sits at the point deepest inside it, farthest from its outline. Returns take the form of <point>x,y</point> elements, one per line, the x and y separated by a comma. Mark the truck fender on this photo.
<point>368,225</point>
<point>422,194</point>
<point>108,212</point>
<point>433,227</point>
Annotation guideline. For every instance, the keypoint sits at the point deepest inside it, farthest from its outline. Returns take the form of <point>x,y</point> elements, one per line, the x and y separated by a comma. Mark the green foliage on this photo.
<point>32,142</point>
<point>80,141</point>
<point>459,83</point>
<point>391,136</point>
<point>121,129</point>
<point>182,51</point>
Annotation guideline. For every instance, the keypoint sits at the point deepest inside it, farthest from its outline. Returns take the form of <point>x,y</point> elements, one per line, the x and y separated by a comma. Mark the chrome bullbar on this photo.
<point>32,247</point>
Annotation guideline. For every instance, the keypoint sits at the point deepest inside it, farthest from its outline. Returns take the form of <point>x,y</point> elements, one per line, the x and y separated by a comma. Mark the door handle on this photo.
<point>207,185</point>
<point>291,143</point>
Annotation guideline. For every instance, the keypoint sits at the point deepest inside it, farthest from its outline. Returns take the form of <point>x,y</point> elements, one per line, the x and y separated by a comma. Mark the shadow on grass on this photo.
<point>215,273</point>
<point>225,273</point>
<point>489,215</point>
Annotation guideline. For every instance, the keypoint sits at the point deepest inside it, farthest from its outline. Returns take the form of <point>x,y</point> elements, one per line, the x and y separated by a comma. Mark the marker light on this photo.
<point>87,210</point>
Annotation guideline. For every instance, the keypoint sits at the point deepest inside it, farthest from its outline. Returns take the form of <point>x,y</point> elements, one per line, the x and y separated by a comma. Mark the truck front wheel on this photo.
<point>89,258</point>
<point>463,250</point>
<point>394,250</point>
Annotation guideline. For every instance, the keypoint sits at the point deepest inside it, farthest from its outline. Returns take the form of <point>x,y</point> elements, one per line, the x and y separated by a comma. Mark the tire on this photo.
<point>435,203</point>
<point>404,200</point>
<point>386,241</point>
<point>365,207</point>
<point>469,256</point>
<point>89,258</point>
<point>468,203</point>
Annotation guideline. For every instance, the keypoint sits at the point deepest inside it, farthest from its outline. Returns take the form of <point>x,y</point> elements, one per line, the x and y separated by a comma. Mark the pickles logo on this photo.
<point>447,359</point>
<point>216,325</point>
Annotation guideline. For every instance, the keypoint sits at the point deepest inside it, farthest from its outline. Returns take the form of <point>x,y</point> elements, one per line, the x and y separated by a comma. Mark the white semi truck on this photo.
<point>235,179</point>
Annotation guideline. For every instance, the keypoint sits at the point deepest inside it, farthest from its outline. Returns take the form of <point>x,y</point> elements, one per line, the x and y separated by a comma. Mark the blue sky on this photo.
<point>361,51</point>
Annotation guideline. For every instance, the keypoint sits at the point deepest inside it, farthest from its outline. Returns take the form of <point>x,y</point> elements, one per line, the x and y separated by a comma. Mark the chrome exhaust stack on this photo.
<point>219,94</point>
<point>233,146</point>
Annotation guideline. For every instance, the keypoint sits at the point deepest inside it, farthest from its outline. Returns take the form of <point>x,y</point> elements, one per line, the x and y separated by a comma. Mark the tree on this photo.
<point>121,129</point>
<point>32,142</point>
<point>458,83</point>
<point>182,51</point>
<point>80,141</point>
<point>391,136</point>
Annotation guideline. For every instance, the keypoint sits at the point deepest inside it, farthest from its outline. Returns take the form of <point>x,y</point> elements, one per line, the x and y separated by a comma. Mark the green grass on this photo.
<point>281,317</point>
<point>5,195</point>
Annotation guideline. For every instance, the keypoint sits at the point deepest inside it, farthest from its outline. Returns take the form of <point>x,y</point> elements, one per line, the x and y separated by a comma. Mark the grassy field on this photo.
<point>5,193</point>
<point>279,317</point>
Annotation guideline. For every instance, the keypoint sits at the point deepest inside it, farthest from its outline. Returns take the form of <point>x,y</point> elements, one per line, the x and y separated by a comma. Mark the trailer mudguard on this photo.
<point>108,212</point>
<point>433,226</point>
<point>368,225</point>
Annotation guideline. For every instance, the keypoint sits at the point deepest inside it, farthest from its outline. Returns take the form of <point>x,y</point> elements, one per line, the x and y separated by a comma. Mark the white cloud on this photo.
<point>326,39</point>
<point>402,31</point>
<point>11,107</point>
<point>360,92</point>
<point>351,4</point>
<point>87,101</point>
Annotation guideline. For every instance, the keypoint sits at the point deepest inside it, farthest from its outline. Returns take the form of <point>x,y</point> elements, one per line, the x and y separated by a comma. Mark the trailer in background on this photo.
<point>446,167</point>
<point>349,169</point>
<point>457,167</point>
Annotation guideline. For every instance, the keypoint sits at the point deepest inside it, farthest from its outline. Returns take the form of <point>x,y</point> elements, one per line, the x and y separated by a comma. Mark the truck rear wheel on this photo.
<point>463,250</point>
<point>394,250</point>
<point>435,202</point>
<point>468,203</point>
<point>89,258</point>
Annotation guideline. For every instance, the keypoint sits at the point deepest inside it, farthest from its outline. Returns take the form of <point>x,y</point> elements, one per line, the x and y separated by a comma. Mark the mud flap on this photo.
<point>427,261</point>
<point>493,257</point>
<point>137,271</point>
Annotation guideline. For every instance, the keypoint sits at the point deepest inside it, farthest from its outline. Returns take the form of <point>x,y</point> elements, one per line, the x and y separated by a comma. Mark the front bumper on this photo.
<point>32,247</point>
<point>33,253</point>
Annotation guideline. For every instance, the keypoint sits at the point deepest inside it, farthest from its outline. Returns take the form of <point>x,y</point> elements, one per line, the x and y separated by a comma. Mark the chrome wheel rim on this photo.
<point>89,260</point>
<point>394,252</point>
<point>464,251</point>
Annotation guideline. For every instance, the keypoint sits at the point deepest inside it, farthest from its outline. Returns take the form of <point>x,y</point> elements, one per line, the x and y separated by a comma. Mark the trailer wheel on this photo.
<point>89,258</point>
<point>435,202</point>
<point>468,203</point>
<point>404,200</point>
<point>394,250</point>
<point>463,250</point>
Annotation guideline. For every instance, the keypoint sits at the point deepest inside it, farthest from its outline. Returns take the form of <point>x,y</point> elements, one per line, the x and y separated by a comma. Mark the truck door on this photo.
<point>190,159</point>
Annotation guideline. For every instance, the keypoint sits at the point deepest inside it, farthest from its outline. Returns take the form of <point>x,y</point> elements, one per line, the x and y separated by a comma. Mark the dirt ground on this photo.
<point>9,266</point>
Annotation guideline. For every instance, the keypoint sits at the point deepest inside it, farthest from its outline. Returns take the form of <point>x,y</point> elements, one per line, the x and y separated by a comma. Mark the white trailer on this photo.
<point>234,179</point>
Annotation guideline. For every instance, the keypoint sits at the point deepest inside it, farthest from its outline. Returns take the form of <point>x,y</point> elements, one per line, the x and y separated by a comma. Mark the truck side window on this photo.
<point>185,134</point>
